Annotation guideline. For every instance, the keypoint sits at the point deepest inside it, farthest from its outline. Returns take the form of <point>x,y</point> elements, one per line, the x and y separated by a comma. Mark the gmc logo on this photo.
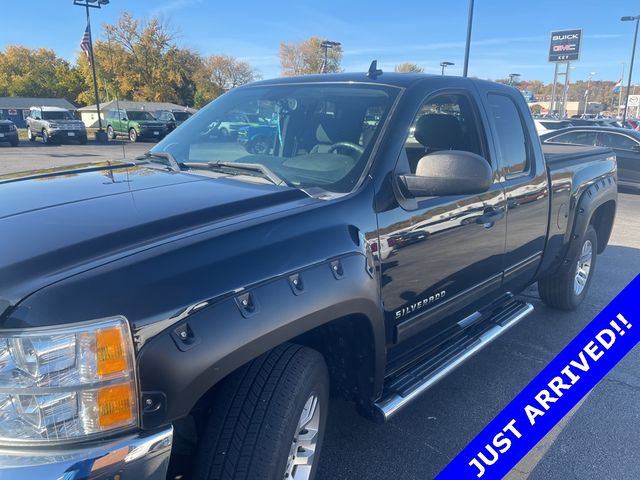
<point>564,48</point>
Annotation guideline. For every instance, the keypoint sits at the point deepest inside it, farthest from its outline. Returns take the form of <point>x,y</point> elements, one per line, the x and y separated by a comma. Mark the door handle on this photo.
<point>490,216</point>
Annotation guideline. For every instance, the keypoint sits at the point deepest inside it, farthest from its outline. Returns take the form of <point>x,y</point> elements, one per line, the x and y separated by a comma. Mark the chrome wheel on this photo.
<point>583,267</point>
<point>305,441</point>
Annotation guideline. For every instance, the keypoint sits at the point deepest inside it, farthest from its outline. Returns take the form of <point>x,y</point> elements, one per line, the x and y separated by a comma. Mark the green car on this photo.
<point>134,124</point>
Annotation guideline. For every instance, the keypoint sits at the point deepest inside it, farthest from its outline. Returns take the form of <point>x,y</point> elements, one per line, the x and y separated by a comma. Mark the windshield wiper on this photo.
<point>173,164</point>
<point>262,170</point>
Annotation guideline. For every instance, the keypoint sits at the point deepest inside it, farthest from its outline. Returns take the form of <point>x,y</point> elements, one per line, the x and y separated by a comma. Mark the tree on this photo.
<point>408,68</point>
<point>219,74</point>
<point>307,57</point>
<point>37,72</point>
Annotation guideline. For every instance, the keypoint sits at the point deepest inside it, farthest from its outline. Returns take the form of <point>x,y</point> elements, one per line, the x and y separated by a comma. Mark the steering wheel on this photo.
<point>348,145</point>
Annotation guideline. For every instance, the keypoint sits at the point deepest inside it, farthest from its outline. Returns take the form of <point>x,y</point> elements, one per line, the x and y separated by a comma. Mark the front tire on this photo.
<point>110,133</point>
<point>267,420</point>
<point>133,135</point>
<point>568,287</point>
<point>45,136</point>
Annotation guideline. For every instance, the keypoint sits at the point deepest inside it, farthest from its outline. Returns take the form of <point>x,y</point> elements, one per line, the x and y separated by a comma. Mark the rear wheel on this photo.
<point>267,420</point>
<point>110,133</point>
<point>133,135</point>
<point>30,135</point>
<point>567,288</point>
<point>260,146</point>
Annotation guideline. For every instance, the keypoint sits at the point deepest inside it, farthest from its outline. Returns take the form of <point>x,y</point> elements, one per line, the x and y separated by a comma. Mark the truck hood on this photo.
<point>56,224</point>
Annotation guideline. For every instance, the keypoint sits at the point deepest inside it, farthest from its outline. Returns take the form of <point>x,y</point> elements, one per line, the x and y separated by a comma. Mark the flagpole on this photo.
<point>620,90</point>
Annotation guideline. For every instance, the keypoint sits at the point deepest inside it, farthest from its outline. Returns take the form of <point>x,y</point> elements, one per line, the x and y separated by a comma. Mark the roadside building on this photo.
<point>89,114</point>
<point>16,109</point>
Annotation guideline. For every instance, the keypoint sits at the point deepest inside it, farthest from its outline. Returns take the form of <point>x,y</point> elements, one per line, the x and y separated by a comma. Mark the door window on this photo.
<point>510,133</point>
<point>615,140</point>
<point>445,122</point>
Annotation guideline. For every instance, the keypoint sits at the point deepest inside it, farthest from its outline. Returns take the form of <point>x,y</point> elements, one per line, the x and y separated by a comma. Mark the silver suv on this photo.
<point>55,124</point>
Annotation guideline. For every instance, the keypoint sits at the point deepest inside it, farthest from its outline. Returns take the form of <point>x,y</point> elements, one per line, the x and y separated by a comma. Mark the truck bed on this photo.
<point>560,153</point>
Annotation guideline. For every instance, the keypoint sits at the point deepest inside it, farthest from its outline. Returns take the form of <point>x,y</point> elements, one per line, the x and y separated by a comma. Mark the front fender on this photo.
<point>175,373</point>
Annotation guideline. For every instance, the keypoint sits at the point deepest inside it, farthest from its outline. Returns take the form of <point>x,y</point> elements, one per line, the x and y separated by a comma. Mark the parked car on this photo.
<point>172,118</point>
<point>258,139</point>
<point>624,142</point>
<point>200,310</point>
<point>229,126</point>
<point>134,124</point>
<point>8,131</point>
<point>55,124</point>
<point>545,125</point>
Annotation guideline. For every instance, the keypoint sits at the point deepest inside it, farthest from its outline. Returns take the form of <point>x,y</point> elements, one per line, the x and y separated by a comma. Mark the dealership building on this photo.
<point>17,109</point>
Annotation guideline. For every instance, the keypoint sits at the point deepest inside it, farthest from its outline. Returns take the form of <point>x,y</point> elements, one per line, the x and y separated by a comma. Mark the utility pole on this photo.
<point>467,47</point>
<point>326,45</point>
<point>633,54</point>
<point>444,65</point>
<point>586,93</point>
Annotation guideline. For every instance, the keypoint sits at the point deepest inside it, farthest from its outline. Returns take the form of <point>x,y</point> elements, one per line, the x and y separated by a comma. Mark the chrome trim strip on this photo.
<point>389,406</point>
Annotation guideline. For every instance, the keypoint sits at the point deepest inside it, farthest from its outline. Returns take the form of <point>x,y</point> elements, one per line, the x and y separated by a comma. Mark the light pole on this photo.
<point>586,93</point>
<point>513,76</point>
<point>633,54</point>
<point>444,65</point>
<point>101,135</point>
<point>326,45</point>
<point>467,47</point>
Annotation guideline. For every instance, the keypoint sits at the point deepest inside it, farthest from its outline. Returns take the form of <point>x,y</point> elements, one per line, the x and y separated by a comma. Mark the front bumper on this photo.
<point>137,457</point>
<point>11,136</point>
<point>147,133</point>
<point>71,135</point>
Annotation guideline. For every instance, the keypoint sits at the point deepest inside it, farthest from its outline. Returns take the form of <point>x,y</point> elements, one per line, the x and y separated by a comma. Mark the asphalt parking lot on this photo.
<point>599,440</point>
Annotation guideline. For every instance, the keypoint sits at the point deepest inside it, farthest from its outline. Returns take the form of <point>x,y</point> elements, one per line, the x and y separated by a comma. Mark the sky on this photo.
<point>508,37</point>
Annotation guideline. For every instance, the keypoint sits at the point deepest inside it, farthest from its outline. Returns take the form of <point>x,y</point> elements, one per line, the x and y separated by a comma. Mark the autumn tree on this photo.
<point>37,72</point>
<point>307,57</point>
<point>408,68</point>
<point>219,74</point>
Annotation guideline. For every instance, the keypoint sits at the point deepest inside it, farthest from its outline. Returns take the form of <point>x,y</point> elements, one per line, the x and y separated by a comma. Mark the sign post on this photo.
<point>563,49</point>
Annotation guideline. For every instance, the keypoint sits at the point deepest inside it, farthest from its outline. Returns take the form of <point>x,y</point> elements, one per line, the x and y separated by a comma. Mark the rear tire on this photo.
<point>30,135</point>
<point>110,133</point>
<point>267,420</point>
<point>568,287</point>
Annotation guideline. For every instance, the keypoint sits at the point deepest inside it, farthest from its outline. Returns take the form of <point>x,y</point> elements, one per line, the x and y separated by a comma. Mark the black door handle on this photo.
<point>490,216</point>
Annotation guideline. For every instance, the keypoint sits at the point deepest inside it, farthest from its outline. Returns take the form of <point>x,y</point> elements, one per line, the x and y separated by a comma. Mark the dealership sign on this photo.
<point>565,45</point>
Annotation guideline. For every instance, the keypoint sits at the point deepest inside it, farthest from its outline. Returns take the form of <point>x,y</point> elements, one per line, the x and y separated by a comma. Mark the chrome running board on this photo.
<point>402,389</point>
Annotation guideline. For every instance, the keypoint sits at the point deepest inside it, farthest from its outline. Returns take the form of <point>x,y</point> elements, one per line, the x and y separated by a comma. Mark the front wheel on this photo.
<point>110,133</point>
<point>133,135</point>
<point>268,419</point>
<point>45,136</point>
<point>568,287</point>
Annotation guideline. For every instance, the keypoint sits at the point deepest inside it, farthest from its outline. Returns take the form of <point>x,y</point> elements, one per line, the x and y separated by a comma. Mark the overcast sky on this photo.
<point>508,37</point>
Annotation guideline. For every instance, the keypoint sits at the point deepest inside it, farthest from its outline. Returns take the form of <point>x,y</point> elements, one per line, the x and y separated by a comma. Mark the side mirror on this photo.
<point>450,172</point>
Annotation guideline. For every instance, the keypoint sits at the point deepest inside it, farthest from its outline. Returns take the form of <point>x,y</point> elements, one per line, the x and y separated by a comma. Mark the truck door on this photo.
<point>441,255</point>
<point>524,179</point>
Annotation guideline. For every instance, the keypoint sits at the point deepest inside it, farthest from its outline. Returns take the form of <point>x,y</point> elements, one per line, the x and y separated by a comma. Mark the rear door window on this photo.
<point>575,138</point>
<point>510,132</point>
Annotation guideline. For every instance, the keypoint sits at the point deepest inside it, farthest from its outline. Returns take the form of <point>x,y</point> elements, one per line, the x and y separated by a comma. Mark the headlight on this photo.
<point>12,128</point>
<point>64,384</point>
<point>54,126</point>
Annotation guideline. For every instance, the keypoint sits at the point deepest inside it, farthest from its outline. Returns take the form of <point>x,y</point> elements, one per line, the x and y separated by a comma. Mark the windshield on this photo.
<point>56,115</point>
<point>139,115</point>
<point>180,116</point>
<point>317,135</point>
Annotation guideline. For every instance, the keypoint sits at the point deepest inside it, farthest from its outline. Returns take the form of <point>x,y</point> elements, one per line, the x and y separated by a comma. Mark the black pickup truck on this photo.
<point>188,313</point>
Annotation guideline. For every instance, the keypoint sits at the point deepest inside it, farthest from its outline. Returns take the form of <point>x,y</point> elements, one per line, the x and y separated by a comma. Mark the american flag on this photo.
<point>85,45</point>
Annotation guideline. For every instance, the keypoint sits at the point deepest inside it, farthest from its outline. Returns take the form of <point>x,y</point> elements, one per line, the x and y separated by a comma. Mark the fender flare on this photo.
<point>223,336</point>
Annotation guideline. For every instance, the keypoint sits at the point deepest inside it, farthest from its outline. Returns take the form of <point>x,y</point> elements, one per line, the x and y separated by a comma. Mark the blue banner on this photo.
<point>555,391</point>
